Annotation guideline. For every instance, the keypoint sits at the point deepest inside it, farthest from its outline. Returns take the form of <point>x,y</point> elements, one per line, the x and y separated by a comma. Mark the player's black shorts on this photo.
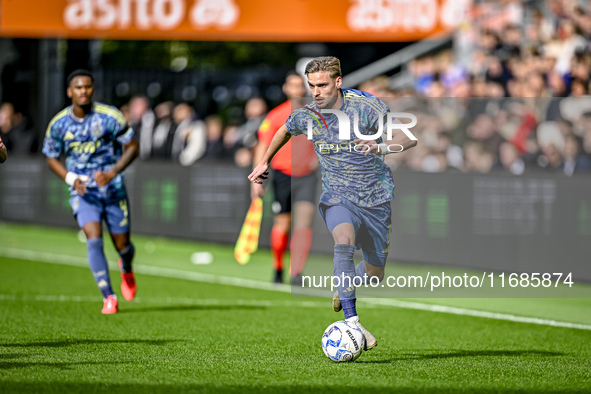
<point>290,189</point>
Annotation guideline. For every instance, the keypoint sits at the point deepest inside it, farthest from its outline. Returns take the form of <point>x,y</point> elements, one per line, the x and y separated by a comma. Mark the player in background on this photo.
<point>294,181</point>
<point>3,152</point>
<point>357,184</point>
<point>98,145</point>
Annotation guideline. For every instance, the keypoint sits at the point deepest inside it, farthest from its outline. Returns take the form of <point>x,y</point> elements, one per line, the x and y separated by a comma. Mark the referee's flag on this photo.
<point>248,240</point>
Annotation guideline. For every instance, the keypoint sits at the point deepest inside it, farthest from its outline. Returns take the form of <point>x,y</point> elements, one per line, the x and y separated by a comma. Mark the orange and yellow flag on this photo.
<point>248,240</point>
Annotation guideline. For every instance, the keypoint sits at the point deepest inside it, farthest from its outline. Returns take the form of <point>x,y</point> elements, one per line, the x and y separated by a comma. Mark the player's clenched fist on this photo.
<point>103,178</point>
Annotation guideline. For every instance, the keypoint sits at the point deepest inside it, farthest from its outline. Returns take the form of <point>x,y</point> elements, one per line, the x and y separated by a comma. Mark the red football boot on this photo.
<point>128,286</point>
<point>110,305</point>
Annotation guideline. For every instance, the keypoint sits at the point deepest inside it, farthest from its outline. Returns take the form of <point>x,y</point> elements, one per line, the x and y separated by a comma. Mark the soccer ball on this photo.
<point>342,341</point>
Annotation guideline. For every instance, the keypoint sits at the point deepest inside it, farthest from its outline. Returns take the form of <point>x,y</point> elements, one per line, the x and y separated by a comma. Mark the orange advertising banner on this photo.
<point>240,20</point>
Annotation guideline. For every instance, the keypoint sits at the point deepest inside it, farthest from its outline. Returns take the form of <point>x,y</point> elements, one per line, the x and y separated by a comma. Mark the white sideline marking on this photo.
<point>54,258</point>
<point>476,313</point>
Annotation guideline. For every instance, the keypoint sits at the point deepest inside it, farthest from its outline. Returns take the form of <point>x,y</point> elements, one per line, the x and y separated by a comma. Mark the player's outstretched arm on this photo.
<point>130,152</point>
<point>3,152</point>
<point>260,172</point>
<point>256,189</point>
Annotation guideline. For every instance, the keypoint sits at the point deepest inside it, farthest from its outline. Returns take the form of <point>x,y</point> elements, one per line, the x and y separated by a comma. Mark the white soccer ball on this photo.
<point>342,341</point>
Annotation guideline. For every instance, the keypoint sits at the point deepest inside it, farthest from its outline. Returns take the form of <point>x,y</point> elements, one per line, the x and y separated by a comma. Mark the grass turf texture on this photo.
<point>185,336</point>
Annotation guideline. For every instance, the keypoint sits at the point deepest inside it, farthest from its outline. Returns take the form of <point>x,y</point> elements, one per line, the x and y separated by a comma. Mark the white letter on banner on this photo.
<point>124,14</point>
<point>173,18</point>
<point>78,14</point>
<point>142,19</point>
<point>107,15</point>
<point>427,12</point>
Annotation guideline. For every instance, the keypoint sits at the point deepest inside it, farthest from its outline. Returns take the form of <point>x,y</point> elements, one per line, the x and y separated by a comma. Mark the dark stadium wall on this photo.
<point>535,223</point>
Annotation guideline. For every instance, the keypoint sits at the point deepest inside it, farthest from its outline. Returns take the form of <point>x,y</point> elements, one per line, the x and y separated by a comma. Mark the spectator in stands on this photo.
<point>556,84</point>
<point>496,72</point>
<point>254,112</point>
<point>230,138</point>
<point>535,86</point>
<point>491,45</point>
<point>239,140</point>
<point>477,157</point>
<point>580,64</point>
<point>569,43</point>
<point>3,152</point>
<point>163,133</point>
<point>378,86</point>
<point>454,157</point>
<point>551,142</point>
<point>511,41</point>
<point>17,135</point>
<point>478,87</point>
<point>540,31</point>
<point>449,72</point>
<point>461,89</point>
<point>583,22</point>
<point>214,132</point>
<point>484,129</point>
<point>424,72</point>
<point>189,142</point>
<point>509,159</point>
<point>142,120</point>
<point>414,158</point>
<point>574,161</point>
<point>6,121</point>
<point>579,88</point>
<point>436,90</point>
<point>586,134</point>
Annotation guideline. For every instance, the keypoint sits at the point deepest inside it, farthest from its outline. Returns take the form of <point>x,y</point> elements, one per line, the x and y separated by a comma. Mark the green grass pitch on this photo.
<point>196,336</point>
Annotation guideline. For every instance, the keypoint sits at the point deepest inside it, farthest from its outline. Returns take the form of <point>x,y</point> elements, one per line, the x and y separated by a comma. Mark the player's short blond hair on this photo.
<point>330,64</point>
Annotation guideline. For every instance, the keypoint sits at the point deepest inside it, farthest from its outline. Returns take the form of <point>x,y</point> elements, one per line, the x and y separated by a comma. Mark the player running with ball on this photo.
<point>98,145</point>
<point>357,184</point>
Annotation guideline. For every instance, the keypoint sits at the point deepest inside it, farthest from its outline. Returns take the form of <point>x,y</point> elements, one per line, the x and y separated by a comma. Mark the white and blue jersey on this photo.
<point>90,144</point>
<point>363,179</point>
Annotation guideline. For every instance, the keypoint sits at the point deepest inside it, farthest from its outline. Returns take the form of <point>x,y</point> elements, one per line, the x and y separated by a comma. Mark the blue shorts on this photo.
<point>92,208</point>
<point>372,225</point>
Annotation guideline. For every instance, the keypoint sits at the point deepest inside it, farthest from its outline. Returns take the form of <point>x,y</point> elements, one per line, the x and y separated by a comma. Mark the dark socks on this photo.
<point>126,258</point>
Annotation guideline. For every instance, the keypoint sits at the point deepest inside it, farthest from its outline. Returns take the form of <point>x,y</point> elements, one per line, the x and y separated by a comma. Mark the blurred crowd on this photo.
<point>167,131</point>
<point>511,94</point>
<point>173,132</point>
<point>16,131</point>
<point>509,134</point>
<point>480,114</point>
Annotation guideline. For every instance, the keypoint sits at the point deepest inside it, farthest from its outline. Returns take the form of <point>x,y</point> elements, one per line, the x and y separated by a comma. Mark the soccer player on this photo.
<point>357,184</point>
<point>98,145</point>
<point>294,181</point>
<point>3,152</point>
